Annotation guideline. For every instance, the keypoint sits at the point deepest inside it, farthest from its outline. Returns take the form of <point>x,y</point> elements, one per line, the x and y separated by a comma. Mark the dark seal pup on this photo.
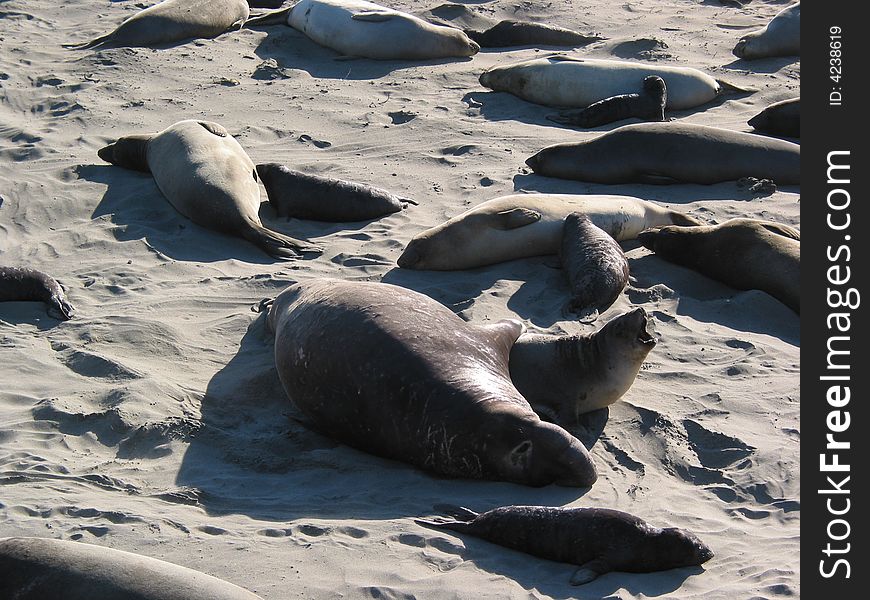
<point>782,118</point>
<point>649,105</point>
<point>416,383</point>
<point>597,540</point>
<point>48,569</point>
<point>565,376</point>
<point>594,264</point>
<point>663,153</point>
<point>747,254</point>
<point>303,196</point>
<point>19,284</point>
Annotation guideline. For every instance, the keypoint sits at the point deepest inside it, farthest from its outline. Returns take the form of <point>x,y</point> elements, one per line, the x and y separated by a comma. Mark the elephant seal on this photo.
<point>368,30</point>
<point>782,118</point>
<point>46,569</point>
<point>671,153</point>
<point>571,82</point>
<point>524,225</point>
<point>207,176</point>
<point>597,540</point>
<point>649,105</point>
<point>747,254</point>
<point>594,264</point>
<point>19,284</point>
<point>173,21</point>
<point>565,376</point>
<point>416,383</point>
<point>303,196</point>
<point>780,37</point>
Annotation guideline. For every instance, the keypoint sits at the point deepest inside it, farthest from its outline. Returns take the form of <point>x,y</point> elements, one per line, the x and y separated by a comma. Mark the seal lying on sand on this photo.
<point>781,118</point>
<point>523,225</point>
<point>416,383</point>
<point>207,176</point>
<point>19,284</point>
<point>669,153</point>
<point>173,21</point>
<point>48,569</point>
<point>303,196</point>
<point>598,540</point>
<point>368,30</point>
<point>649,105</point>
<point>780,37</point>
<point>747,254</point>
<point>565,376</point>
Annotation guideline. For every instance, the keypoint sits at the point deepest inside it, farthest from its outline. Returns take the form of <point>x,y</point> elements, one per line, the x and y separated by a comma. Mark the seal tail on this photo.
<point>274,17</point>
<point>86,45</point>
<point>277,244</point>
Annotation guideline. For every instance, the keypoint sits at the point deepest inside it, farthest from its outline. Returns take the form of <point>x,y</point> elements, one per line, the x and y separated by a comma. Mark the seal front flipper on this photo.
<point>656,179</point>
<point>515,217</point>
<point>783,230</point>
<point>373,16</point>
<point>214,128</point>
<point>589,572</point>
<point>275,17</point>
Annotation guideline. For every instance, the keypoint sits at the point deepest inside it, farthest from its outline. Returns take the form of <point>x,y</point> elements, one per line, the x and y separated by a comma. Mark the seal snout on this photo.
<point>534,161</point>
<point>648,238</point>
<point>107,153</point>
<point>410,257</point>
<point>644,335</point>
<point>740,49</point>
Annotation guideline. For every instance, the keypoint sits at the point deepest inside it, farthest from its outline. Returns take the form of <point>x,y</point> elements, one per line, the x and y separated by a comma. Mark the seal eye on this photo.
<point>521,453</point>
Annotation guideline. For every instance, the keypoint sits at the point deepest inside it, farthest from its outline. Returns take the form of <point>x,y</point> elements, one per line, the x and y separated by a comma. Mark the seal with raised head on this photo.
<point>368,30</point>
<point>173,21</point>
<point>571,82</point>
<point>649,105</point>
<point>666,153</point>
<point>597,540</point>
<point>524,225</point>
<point>780,37</point>
<point>208,177</point>
<point>782,118</point>
<point>21,285</point>
<point>42,569</point>
<point>747,254</point>
<point>304,196</point>
<point>416,383</point>
<point>595,266</point>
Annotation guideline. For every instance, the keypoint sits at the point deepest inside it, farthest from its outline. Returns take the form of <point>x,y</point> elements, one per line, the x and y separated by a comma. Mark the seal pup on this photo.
<point>572,82</point>
<point>663,153</point>
<point>40,568</point>
<point>416,383</point>
<point>20,284</point>
<point>597,540</point>
<point>649,105</point>
<point>780,37</point>
<point>524,225</point>
<point>782,118</point>
<point>747,254</point>
<point>303,196</point>
<point>565,376</point>
<point>595,266</point>
<point>368,30</point>
<point>173,21</point>
<point>208,177</point>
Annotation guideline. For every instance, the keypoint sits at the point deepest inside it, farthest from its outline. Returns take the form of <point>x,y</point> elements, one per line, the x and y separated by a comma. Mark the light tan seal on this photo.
<point>780,37</point>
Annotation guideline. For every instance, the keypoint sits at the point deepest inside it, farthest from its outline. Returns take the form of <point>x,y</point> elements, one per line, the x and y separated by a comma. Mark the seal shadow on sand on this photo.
<point>31,313</point>
<point>762,65</point>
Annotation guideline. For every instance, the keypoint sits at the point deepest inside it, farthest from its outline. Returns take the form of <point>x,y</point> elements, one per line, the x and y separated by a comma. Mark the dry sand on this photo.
<point>154,421</point>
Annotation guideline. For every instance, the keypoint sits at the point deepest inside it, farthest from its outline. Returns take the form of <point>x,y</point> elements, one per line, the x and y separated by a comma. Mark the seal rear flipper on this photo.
<point>86,45</point>
<point>275,17</point>
<point>277,244</point>
<point>730,88</point>
<point>684,220</point>
<point>589,572</point>
<point>453,525</point>
<point>457,512</point>
<point>60,308</point>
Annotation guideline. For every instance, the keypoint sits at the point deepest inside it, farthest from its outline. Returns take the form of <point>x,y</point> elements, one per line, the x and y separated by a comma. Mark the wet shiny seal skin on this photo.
<point>394,373</point>
<point>782,118</point>
<point>648,105</point>
<point>48,569</point>
<point>20,284</point>
<point>597,540</point>
<point>747,254</point>
<point>780,37</point>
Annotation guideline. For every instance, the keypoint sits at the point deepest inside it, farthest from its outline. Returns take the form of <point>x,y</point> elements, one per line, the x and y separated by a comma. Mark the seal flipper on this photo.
<point>215,128</point>
<point>783,230</point>
<point>457,512</point>
<point>589,572</point>
<point>730,88</point>
<point>514,218</point>
<point>655,179</point>
<point>453,525</point>
<point>275,17</point>
<point>373,16</point>
<point>59,307</point>
<point>94,42</point>
<point>502,335</point>
<point>277,244</point>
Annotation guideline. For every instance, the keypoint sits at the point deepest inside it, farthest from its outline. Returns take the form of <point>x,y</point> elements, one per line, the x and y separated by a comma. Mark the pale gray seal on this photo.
<point>47,569</point>
<point>649,105</point>
<point>597,540</point>
<point>780,37</point>
<point>416,383</point>
<point>207,176</point>
<point>781,118</point>
<point>670,153</point>
<point>20,284</point>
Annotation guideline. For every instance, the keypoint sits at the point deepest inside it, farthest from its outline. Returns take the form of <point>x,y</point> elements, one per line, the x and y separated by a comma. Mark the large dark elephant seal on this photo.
<point>173,21</point>
<point>304,196</point>
<point>207,176</point>
<point>781,118</point>
<point>48,569</point>
<point>565,376</point>
<point>747,254</point>
<point>524,225</point>
<point>19,284</point>
<point>414,382</point>
<point>780,37</point>
<point>649,105</point>
<point>368,30</point>
<point>597,540</point>
<point>670,153</point>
